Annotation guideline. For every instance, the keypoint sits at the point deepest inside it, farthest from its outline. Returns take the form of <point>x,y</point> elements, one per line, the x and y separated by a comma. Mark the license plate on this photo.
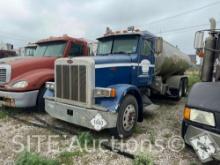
<point>204,146</point>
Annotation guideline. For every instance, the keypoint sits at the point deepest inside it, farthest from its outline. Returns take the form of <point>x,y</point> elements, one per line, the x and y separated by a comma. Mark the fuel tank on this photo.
<point>171,61</point>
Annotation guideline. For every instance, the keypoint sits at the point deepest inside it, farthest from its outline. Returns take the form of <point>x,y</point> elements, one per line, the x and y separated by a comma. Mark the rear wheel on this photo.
<point>185,87</point>
<point>127,117</point>
<point>40,99</point>
<point>178,93</point>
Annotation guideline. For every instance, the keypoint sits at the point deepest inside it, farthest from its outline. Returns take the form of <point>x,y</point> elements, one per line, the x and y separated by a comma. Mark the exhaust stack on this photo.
<point>212,23</point>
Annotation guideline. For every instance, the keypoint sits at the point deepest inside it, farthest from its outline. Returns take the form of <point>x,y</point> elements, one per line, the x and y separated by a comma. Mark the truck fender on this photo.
<point>174,81</point>
<point>113,104</point>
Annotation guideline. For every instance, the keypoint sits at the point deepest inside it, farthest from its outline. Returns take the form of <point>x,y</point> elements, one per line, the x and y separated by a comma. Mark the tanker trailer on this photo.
<point>170,66</point>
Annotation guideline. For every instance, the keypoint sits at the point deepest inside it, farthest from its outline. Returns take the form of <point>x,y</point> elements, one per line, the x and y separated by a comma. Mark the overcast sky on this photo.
<point>22,21</point>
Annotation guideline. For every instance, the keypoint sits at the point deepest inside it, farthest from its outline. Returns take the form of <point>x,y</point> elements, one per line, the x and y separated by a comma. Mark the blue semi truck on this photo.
<point>111,90</point>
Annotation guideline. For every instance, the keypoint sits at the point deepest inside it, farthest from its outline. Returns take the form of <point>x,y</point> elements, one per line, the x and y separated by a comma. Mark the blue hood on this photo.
<point>113,69</point>
<point>112,59</point>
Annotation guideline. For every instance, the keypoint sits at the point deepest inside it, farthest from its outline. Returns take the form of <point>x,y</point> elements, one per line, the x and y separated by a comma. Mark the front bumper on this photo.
<point>18,99</point>
<point>80,115</point>
<point>192,131</point>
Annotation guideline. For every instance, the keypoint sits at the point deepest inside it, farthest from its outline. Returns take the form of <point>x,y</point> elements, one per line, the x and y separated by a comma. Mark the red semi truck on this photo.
<point>22,79</point>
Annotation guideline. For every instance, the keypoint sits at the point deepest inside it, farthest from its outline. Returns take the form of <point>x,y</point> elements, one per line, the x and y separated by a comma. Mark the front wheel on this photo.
<point>127,117</point>
<point>40,99</point>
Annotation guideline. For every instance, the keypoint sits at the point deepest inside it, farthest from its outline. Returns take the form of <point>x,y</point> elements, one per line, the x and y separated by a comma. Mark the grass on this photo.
<point>28,158</point>
<point>194,77</point>
<point>2,114</point>
<point>66,157</point>
<point>85,139</point>
<point>138,130</point>
<point>143,159</point>
<point>193,163</point>
<point>152,136</point>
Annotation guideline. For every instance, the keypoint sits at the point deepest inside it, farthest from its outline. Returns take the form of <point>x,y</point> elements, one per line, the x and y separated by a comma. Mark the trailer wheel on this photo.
<point>127,117</point>
<point>40,99</point>
<point>185,87</point>
<point>178,93</point>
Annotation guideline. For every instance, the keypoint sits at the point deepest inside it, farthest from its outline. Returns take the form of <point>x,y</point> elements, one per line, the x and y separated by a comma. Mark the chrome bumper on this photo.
<point>18,99</point>
<point>194,131</point>
<point>79,115</point>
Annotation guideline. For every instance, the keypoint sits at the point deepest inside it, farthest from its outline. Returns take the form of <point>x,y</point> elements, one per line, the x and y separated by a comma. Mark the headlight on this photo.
<point>20,84</point>
<point>104,92</point>
<point>199,116</point>
<point>50,85</point>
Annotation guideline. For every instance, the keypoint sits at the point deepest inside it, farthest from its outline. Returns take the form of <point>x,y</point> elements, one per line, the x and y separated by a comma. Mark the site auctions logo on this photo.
<point>52,144</point>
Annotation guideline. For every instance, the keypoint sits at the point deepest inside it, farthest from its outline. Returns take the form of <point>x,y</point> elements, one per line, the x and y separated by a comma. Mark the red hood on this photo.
<point>21,65</point>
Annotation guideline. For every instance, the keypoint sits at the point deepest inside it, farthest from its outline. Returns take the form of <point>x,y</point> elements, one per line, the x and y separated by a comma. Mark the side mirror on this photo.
<point>159,45</point>
<point>198,41</point>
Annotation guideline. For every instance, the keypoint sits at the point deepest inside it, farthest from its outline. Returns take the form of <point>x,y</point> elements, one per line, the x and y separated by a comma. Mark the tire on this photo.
<point>40,100</point>
<point>178,93</point>
<point>126,123</point>
<point>185,87</point>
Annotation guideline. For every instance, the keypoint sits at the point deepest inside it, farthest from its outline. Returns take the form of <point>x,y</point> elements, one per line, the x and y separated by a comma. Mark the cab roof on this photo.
<point>126,33</point>
<point>61,38</point>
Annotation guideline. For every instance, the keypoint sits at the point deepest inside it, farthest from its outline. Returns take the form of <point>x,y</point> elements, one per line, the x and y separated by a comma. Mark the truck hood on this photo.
<point>112,69</point>
<point>205,96</point>
<point>21,65</point>
<point>112,59</point>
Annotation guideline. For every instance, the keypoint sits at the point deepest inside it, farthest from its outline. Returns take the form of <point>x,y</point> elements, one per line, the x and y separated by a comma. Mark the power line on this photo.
<point>183,28</point>
<point>183,13</point>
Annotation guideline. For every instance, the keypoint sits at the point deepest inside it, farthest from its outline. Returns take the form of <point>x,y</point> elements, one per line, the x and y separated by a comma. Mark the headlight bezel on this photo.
<point>99,92</point>
<point>200,116</point>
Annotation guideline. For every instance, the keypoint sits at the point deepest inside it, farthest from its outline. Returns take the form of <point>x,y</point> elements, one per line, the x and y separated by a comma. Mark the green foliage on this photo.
<point>193,78</point>
<point>143,159</point>
<point>2,114</point>
<point>67,157</point>
<point>152,136</point>
<point>193,163</point>
<point>138,130</point>
<point>85,138</point>
<point>28,158</point>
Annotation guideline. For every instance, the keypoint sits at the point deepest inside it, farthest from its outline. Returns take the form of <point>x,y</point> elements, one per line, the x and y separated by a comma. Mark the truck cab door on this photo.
<point>146,62</point>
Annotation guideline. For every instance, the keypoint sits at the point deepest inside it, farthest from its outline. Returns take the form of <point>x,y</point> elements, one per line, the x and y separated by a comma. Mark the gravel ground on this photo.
<point>158,136</point>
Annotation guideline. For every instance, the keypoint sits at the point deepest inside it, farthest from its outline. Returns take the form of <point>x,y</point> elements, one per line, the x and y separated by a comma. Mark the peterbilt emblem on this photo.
<point>69,61</point>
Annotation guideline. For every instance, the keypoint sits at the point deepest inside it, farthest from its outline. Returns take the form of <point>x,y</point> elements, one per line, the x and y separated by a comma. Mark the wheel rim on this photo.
<point>129,117</point>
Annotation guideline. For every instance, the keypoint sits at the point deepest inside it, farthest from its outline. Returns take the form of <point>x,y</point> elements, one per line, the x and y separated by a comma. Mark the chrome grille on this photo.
<point>3,75</point>
<point>71,82</point>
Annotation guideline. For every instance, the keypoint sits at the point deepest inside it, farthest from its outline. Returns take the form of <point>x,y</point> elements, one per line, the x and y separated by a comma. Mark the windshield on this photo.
<point>118,45</point>
<point>50,49</point>
<point>29,51</point>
